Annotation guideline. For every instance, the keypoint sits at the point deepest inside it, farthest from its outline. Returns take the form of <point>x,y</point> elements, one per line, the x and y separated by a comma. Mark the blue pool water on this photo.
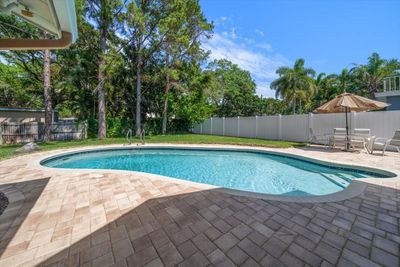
<point>248,171</point>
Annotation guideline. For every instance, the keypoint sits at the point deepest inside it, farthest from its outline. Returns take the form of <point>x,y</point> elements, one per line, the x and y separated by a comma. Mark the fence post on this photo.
<point>1,134</point>
<point>223,126</point>
<point>201,128</point>
<point>256,126</point>
<point>238,126</point>
<point>353,122</point>
<point>280,127</point>
<point>211,126</point>
<point>86,128</point>
<point>310,124</point>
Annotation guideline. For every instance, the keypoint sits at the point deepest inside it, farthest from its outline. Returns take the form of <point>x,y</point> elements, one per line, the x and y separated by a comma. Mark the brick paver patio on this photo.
<point>103,218</point>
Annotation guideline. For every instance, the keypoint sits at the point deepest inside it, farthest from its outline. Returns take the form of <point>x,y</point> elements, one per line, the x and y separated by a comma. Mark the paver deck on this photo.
<point>104,218</point>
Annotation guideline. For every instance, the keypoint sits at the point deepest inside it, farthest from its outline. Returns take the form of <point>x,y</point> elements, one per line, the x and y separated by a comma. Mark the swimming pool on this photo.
<point>253,171</point>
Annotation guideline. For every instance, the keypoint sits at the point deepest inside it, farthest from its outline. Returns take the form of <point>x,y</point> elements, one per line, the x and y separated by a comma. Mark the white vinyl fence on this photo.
<point>298,127</point>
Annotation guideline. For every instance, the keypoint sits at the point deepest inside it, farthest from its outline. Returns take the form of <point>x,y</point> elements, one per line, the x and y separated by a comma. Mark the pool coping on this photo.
<point>355,188</point>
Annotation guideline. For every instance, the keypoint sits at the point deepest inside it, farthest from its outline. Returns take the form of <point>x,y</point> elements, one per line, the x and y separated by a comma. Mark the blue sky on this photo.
<point>262,35</point>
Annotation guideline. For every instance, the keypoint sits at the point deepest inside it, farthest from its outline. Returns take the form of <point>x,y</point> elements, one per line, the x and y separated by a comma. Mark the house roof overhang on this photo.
<point>56,17</point>
<point>14,109</point>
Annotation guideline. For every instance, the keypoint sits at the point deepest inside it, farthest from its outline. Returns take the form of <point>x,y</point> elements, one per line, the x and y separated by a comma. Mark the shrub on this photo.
<point>154,126</point>
<point>117,127</point>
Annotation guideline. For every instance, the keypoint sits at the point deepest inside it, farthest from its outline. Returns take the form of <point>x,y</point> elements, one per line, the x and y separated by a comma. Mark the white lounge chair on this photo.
<point>362,132</point>
<point>360,138</point>
<point>339,137</point>
<point>385,143</point>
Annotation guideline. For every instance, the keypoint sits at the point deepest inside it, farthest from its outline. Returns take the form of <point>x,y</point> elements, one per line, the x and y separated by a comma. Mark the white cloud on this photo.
<point>248,40</point>
<point>233,33</point>
<point>259,32</point>
<point>265,46</point>
<point>261,65</point>
<point>265,90</point>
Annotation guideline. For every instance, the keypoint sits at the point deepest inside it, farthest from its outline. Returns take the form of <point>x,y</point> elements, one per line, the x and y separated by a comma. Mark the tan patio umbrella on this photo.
<point>347,102</point>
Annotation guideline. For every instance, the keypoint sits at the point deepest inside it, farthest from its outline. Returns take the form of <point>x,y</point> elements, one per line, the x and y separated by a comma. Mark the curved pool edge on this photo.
<point>355,188</point>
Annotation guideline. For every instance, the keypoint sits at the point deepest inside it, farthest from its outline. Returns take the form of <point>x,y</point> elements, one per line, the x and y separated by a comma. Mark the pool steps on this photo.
<point>338,179</point>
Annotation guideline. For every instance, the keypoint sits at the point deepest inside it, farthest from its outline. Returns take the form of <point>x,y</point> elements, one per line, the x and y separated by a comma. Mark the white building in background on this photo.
<point>24,115</point>
<point>390,92</point>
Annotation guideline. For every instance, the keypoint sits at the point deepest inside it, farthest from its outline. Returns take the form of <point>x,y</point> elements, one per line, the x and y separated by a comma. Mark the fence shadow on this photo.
<point>322,148</point>
<point>22,197</point>
<point>325,149</point>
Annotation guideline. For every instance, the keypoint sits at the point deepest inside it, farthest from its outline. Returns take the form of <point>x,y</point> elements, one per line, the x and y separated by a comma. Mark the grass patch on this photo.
<point>7,151</point>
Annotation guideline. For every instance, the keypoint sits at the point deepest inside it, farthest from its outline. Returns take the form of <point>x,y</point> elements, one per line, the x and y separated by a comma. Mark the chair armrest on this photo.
<point>385,140</point>
<point>340,136</point>
<point>381,140</point>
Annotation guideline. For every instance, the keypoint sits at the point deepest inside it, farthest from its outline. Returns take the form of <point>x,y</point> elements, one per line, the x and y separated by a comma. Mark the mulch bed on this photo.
<point>3,202</point>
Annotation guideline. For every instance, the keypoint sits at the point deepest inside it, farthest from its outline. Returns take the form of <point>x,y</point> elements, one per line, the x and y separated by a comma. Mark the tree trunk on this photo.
<point>165,110</point>
<point>167,87</point>
<point>138,93</point>
<point>372,90</point>
<point>48,110</point>
<point>102,133</point>
<point>294,103</point>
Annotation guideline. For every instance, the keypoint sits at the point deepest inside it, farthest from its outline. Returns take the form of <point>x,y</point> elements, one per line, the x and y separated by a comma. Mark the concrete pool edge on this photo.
<point>355,188</point>
<point>388,173</point>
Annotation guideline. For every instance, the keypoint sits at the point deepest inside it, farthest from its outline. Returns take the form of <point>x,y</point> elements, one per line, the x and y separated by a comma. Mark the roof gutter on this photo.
<point>32,44</point>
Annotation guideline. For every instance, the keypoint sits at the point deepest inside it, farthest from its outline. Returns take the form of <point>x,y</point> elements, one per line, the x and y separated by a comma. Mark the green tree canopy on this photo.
<point>232,90</point>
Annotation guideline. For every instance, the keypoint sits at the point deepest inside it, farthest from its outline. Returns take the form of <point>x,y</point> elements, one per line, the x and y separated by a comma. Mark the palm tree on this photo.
<point>320,88</point>
<point>370,76</point>
<point>48,111</point>
<point>294,82</point>
<point>343,80</point>
<point>328,86</point>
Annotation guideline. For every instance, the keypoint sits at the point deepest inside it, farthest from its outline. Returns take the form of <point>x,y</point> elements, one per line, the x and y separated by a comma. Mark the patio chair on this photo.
<point>360,138</point>
<point>385,143</point>
<point>339,137</point>
<point>318,138</point>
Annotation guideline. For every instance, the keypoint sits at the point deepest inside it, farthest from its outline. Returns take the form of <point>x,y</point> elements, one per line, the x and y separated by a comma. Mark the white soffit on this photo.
<point>53,16</point>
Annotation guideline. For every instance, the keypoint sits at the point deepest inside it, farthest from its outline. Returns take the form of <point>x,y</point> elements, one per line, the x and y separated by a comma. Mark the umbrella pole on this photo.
<point>347,131</point>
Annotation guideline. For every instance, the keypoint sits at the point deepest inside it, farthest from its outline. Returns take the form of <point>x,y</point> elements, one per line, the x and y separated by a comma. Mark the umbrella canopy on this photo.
<point>350,102</point>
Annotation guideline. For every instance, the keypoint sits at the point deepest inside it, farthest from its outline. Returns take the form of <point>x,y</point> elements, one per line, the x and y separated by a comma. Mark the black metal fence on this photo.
<point>12,133</point>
